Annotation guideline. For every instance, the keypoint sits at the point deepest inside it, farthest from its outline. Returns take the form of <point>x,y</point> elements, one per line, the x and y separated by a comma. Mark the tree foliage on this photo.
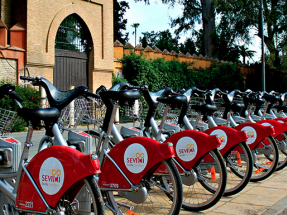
<point>236,22</point>
<point>165,40</point>
<point>241,16</point>
<point>120,8</point>
<point>196,12</point>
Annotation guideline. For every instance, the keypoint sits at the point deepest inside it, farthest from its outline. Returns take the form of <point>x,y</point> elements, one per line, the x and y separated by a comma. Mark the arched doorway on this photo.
<point>71,53</point>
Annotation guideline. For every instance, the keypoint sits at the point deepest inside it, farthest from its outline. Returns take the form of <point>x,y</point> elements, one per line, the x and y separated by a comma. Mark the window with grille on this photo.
<point>72,34</point>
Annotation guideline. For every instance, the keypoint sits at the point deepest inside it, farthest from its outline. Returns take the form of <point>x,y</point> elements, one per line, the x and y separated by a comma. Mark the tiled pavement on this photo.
<point>267,197</point>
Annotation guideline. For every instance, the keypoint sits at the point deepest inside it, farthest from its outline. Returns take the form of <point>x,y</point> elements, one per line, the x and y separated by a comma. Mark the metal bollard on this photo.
<point>72,110</point>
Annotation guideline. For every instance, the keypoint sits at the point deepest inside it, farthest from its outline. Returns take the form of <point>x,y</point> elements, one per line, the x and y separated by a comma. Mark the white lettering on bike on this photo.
<point>51,175</point>
<point>28,204</point>
<point>135,158</point>
<point>186,148</point>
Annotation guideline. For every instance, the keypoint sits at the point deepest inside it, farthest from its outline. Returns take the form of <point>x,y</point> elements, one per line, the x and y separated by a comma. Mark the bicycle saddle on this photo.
<point>174,101</point>
<point>118,93</point>
<point>122,96</point>
<point>271,98</point>
<point>280,107</point>
<point>49,116</point>
<point>205,108</point>
<point>151,97</point>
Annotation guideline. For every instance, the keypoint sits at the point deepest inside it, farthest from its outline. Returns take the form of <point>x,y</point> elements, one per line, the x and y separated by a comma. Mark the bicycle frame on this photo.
<point>210,143</point>
<point>28,187</point>
<point>124,178</point>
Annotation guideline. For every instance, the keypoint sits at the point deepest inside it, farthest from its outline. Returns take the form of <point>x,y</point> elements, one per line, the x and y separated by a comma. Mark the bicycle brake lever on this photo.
<point>94,100</point>
<point>27,83</point>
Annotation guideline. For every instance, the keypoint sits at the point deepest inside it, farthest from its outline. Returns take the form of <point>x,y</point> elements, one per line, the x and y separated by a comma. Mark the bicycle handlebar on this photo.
<point>26,78</point>
<point>13,95</point>
<point>92,95</point>
<point>144,87</point>
<point>9,90</point>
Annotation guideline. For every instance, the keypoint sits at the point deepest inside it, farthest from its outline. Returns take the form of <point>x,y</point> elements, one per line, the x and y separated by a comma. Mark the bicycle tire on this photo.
<point>87,201</point>
<point>157,202</point>
<point>205,192</point>
<point>109,196</point>
<point>239,165</point>
<point>282,162</point>
<point>265,160</point>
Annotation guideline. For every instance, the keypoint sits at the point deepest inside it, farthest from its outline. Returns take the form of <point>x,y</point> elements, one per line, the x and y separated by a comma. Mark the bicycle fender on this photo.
<point>282,120</point>
<point>229,137</point>
<point>279,126</point>
<point>54,171</point>
<point>136,157</point>
<point>255,132</point>
<point>191,146</point>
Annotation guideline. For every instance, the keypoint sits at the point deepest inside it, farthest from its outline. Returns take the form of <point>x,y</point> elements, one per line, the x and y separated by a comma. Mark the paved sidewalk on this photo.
<point>268,197</point>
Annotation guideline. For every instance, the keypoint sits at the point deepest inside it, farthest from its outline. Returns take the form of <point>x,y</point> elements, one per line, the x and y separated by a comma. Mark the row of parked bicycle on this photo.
<point>148,169</point>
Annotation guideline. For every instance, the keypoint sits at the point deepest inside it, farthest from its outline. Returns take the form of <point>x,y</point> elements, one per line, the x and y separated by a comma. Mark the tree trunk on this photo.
<point>208,17</point>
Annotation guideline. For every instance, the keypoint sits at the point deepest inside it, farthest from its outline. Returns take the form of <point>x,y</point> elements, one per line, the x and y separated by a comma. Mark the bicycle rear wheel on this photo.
<point>164,194</point>
<point>88,199</point>
<point>239,165</point>
<point>265,156</point>
<point>209,184</point>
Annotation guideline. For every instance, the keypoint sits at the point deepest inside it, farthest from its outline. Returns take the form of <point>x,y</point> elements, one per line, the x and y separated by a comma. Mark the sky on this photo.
<point>153,17</point>
<point>156,17</point>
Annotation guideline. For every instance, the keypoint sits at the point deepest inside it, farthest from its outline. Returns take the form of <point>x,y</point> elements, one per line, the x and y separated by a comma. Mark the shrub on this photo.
<point>116,80</point>
<point>225,76</point>
<point>158,74</point>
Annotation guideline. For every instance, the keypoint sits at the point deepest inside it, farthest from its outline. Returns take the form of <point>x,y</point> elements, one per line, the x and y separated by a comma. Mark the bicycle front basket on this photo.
<point>7,121</point>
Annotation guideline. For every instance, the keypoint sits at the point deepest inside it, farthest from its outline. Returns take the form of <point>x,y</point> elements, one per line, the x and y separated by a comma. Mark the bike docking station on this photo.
<point>81,141</point>
<point>10,148</point>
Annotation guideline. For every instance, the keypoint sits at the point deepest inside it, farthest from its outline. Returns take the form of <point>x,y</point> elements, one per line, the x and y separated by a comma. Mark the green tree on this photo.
<point>188,46</point>
<point>242,15</point>
<point>165,40</point>
<point>245,53</point>
<point>120,8</point>
<point>196,12</point>
<point>236,18</point>
<point>162,40</point>
<point>135,26</point>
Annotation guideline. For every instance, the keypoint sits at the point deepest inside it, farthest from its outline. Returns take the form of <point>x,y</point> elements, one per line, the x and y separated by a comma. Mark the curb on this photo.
<point>277,208</point>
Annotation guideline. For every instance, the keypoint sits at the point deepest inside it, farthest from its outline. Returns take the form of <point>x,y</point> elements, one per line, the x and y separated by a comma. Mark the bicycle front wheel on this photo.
<point>164,194</point>
<point>282,147</point>
<point>209,183</point>
<point>88,199</point>
<point>239,165</point>
<point>265,156</point>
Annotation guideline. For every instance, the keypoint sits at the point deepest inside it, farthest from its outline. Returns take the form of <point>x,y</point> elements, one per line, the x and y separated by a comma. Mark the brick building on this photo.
<point>69,42</point>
